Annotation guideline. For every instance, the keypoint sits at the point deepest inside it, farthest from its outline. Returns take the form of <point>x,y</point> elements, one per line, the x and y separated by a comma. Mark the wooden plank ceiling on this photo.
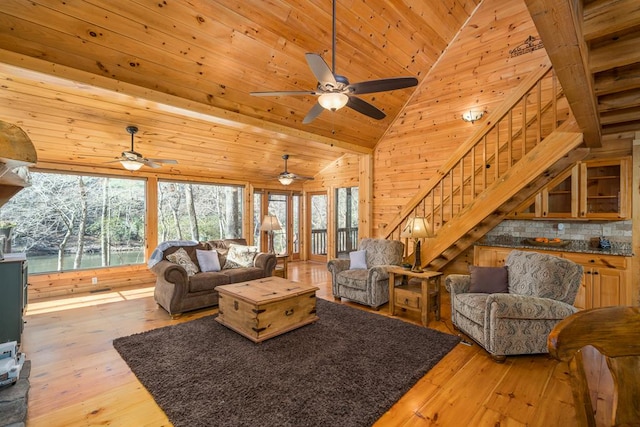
<point>75,74</point>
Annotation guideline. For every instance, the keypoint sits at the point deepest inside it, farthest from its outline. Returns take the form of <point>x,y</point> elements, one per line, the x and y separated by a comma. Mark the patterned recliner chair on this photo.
<point>371,286</point>
<point>541,291</point>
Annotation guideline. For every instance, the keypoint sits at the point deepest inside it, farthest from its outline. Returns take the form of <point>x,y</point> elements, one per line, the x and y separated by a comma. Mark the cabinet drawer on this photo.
<point>408,299</point>
<point>597,260</point>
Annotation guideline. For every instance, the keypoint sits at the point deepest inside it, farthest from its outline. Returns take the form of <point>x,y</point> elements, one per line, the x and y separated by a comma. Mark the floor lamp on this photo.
<point>270,224</point>
<point>416,228</point>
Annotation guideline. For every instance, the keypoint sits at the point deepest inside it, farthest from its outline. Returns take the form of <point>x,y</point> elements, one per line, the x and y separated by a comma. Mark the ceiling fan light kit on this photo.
<point>333,101</point>
<point>285,180</point>
<point>131,165</point>
<point>334,91</point>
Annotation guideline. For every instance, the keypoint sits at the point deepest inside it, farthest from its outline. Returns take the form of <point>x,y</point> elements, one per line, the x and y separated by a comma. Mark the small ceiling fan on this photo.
<point>334,91</point>
<point>132,160</point>
<point>287,177</point>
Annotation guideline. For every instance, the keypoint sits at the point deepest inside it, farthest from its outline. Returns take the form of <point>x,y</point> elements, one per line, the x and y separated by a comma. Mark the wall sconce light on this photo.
<point>472,116</point>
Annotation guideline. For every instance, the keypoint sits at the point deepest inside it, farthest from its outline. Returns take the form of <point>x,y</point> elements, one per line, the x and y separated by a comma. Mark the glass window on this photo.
<point>201,212</point>
<point>67,222</point>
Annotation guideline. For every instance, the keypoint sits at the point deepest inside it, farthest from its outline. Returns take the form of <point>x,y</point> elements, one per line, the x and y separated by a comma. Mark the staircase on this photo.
<point>521,147</point>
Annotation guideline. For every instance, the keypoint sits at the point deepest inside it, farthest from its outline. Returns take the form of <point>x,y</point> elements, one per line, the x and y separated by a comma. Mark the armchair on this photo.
<point>541,291</point>
<point>368,286</point>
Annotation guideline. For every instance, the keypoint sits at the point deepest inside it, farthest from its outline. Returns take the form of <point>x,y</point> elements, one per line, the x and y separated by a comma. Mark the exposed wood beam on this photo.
<point>166,102</point>
<point>605,17</point>
<point>559,29</point>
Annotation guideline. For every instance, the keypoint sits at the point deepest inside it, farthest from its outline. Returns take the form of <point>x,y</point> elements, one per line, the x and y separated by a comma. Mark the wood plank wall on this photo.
<point>475,67</point>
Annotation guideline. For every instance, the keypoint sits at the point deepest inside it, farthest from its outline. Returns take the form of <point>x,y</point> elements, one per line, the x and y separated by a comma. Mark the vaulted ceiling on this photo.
<point>74,74</point>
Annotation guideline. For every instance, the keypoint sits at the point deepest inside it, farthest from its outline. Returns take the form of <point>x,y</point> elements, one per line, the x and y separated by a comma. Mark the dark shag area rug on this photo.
<point>347,369</point>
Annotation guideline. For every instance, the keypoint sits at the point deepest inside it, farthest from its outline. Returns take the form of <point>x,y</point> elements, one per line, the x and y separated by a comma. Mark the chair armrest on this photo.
<point>266,262</point>
<point>512,306</point>
<point>457,283</point>
<point>335,266</point>
<point>379,272</point>
<point>171,272</point>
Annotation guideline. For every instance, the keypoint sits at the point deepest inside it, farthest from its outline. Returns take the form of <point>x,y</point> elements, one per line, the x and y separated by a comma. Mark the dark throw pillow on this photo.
<point>489,280</point>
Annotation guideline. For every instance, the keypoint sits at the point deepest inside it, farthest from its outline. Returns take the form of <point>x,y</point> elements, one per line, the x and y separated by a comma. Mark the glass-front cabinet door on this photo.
<point>605,189</point>
<point>560,200</point>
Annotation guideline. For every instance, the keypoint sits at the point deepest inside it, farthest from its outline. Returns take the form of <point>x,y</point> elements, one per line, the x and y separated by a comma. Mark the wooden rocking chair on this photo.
<point>615,333</point>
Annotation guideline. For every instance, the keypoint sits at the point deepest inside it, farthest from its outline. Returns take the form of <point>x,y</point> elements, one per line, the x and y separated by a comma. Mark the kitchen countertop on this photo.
<point>578,246</point>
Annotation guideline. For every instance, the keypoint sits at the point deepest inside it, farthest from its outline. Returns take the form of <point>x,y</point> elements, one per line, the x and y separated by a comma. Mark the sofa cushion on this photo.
<point>208,260</point>
<point>207,281</point>
<point>236,275</point>
<point>181,258</point>
<point>353,278</point>
<point>240,256</point>
<point>472,306</point>
<point>489,280</point>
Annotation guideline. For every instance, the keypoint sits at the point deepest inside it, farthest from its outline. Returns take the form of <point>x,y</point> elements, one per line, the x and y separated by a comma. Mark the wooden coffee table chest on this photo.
<point>263,308</point>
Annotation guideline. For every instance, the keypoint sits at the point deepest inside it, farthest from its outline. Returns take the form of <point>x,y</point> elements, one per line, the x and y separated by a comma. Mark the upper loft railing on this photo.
<point>533,112</point>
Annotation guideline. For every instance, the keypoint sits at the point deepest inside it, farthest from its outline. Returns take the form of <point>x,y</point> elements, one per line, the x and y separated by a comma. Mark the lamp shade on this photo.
<point>416,228</point>
<point>270,223</point>
<point>333,101</point>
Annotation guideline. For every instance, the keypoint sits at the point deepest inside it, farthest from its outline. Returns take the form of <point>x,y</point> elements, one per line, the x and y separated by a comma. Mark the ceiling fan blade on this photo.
<point>165,161</point>
<point>148,162</point>
<point>313,113</point>
<point>301,177</point>
<point>320,69</point>
<point>382,85</point>
<point>365,108</point>
<point>284,93</point>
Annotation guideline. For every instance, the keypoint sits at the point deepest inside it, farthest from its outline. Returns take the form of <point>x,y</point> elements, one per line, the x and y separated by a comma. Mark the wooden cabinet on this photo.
<point>606,280</point>
<point>13,296</point>
<point>604,189</point>
<point>592,190</point>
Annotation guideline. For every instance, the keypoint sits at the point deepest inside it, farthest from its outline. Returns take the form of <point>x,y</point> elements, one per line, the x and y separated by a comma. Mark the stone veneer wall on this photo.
<point>615,231</point>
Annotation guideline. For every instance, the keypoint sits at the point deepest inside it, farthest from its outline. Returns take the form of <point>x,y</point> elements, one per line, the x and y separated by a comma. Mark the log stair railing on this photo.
<point>522,146</point>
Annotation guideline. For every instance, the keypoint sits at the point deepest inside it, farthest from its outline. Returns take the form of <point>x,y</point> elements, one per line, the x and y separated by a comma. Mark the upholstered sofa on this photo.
<point>516,313</point>
<point>367,283</point>
<point>178,290</point>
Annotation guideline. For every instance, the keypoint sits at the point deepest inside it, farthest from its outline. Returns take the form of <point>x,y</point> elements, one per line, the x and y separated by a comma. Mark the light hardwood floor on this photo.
<point>78,379</point>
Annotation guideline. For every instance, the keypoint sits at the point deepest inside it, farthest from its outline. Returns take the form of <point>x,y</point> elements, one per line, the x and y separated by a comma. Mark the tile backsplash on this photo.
<point>615,231</point>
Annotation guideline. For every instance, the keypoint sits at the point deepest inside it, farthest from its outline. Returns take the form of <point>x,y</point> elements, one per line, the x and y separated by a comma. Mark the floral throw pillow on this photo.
<point>240,256</point>
<point>181,257</point>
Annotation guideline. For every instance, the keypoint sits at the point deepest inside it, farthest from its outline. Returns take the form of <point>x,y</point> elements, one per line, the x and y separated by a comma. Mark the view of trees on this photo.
<point>199,211</point>
<point>64,221</point>
<point>68,222</point>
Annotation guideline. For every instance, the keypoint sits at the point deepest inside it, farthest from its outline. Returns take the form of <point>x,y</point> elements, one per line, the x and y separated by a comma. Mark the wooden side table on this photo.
<point>281,266</point>
<point>410,296</point>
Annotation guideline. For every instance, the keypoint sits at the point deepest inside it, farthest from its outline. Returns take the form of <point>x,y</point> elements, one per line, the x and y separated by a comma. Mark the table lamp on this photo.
<point>416,228</point>
<point>270,224</point>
